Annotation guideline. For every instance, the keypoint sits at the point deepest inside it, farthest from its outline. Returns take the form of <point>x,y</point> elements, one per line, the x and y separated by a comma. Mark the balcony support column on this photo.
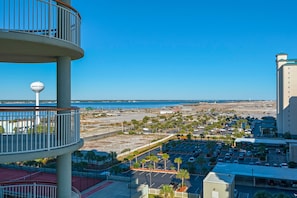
<point>64,82</point>
<point>64,175</point>
<point>63,125</point>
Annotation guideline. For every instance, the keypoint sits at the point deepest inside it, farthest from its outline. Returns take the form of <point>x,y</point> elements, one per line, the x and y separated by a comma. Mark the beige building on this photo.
<point>218,185</point>
<point>286,94</point>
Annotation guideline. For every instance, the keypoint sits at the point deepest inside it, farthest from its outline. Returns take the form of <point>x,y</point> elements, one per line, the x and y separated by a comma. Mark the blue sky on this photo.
<point>170,49</point>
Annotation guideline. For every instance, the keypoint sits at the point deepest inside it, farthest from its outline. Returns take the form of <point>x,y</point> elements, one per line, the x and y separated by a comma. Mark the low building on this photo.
<point>218,185</point>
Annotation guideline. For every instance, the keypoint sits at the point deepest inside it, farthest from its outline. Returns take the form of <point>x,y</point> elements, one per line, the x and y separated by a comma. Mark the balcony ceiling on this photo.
<point>20,47</point>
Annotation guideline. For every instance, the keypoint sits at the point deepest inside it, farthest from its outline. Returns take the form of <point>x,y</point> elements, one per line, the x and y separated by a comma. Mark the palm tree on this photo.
<point>165,157</point>
<point>142,162</point>
<point>130,158</point>
<point>78,155</point>
<point>262,194</point>
<point>90,156</point>
<point>280,195</point>
<point>135,153</point>
<point>154,159</point>
<point>166,191</point>
<point>178,160</point>
<point>112,155</point>
<point>183,174</point>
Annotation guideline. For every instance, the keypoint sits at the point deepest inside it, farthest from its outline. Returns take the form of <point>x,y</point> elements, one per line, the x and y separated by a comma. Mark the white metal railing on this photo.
<point>30,129</point>
<point>33,191</point>
<point>155,191</point>
<point>49,18</point>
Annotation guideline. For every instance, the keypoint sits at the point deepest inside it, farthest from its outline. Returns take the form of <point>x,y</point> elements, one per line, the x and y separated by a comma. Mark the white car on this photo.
<point>284,165</point>
<point>191,159</point>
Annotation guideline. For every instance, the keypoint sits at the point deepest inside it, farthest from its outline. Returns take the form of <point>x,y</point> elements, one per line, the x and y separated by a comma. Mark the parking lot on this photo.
<point>157,179</point>
<point>272,156</point>
<point>199,157</point>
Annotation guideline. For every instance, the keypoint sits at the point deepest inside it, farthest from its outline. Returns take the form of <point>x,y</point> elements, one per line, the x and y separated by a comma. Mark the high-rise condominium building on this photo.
<point>286,94</point>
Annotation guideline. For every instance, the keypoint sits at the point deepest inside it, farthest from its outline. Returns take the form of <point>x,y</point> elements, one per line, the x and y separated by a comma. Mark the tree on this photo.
<point>113,155</point>
<point>280,195</point>
<point>183,174</point>
<point>90,156</point>
<point>142,162</point>
<point>116,169</point>
<point>287,135</point>
<point>178,160</point>
<point>136,165</point>
<point>130,158</point>
<point>166,191</point>
<point>135,153</point>
<point>201,136</point>
<point>189,136</point>
<point>78,154</point>
<point>2,130</point>
<point>262,194</point>
<point>154,159</point>
<point>165,157</point>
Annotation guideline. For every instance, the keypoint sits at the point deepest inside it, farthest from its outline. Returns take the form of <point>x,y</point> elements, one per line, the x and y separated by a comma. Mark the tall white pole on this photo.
<point>37,87</point>
<point>37,121</point>
<point>37,99</point>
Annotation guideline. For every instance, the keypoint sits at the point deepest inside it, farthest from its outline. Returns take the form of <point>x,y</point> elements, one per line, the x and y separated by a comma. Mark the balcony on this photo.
<point>35,190</point>
<point>38,31</point>
<point>29,130</point>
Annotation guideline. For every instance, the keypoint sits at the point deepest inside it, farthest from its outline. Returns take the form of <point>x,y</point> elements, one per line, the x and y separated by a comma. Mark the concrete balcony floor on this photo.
<point>21,47</point>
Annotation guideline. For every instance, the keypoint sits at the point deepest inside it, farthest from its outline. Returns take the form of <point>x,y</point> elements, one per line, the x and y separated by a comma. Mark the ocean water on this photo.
<point>137,104</point>
<point>131,104</point>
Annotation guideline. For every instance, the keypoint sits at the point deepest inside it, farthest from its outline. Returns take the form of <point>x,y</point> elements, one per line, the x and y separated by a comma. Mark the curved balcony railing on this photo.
<point>33,190</point>
<point>31,129</point>
<point>49,18</point>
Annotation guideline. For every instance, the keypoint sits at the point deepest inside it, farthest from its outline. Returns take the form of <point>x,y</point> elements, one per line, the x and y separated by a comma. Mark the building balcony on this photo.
<point>35,132</point>
<point>22,189</point>
<point>38,31</point>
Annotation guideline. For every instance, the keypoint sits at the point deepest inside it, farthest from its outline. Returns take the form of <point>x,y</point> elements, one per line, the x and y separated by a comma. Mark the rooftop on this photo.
<point>257,171</point>
<point>214,177</point>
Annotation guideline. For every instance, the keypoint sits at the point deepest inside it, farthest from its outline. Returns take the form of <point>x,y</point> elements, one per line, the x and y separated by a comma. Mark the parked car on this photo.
<point>284,165</point>
<point>191,159</point>
<point>241,157</point>
<point>249,153</point>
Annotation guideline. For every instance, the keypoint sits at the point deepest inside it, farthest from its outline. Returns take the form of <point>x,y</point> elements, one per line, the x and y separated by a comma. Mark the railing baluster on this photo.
<point>48,130</point>
<point>43,17</point>
<point>33,190</point>
<point>21,132</point>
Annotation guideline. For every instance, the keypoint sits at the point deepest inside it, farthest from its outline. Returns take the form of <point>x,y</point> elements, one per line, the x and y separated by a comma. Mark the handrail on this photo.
<point>68,6</point>
<point>47,18</point>
<point>34,189</point>
<point>35,108</point>
<point>32,129</point>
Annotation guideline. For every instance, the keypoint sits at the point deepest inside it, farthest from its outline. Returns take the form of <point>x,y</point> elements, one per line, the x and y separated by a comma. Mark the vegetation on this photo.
<point>166,191</point>
<point>265,194</point>
<point>165,157</point>
<point>183,174</point>
<point>2,130</point>
<point>179,161</point>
